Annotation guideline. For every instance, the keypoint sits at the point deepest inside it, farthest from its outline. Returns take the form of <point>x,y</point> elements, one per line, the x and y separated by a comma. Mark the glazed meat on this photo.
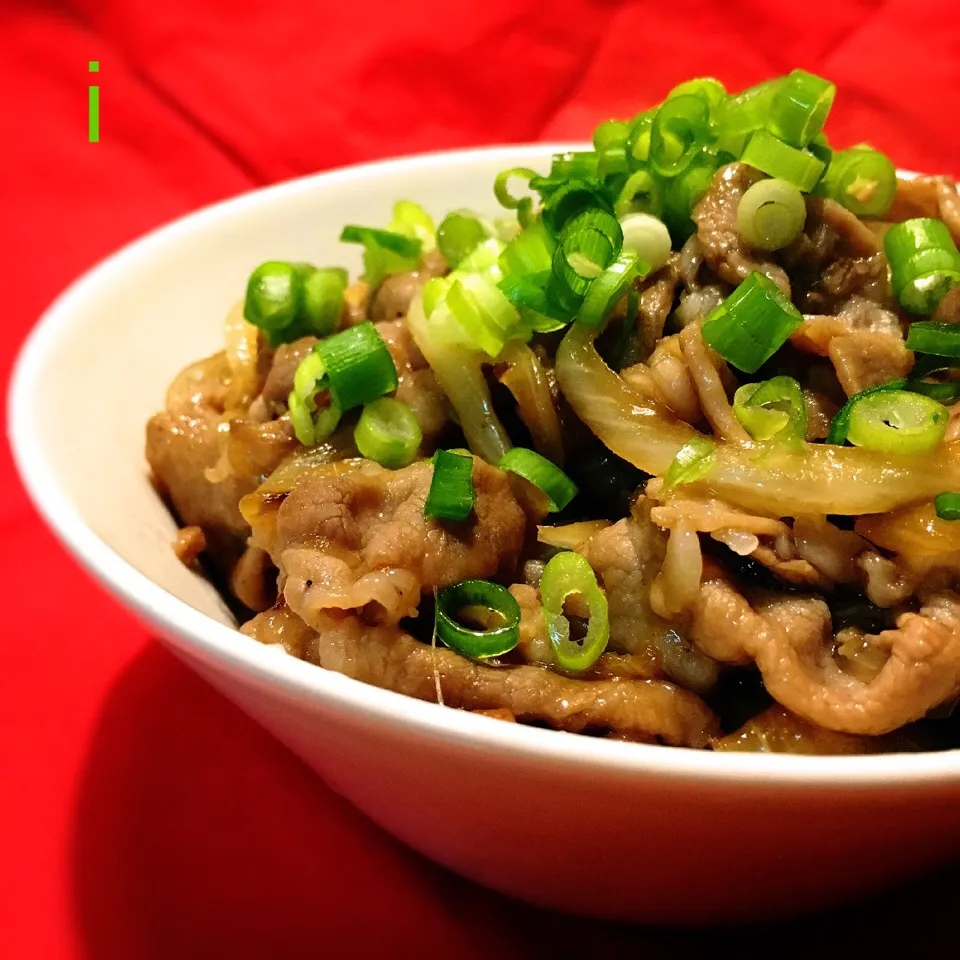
<point>385,656</point>
<point>666,450</point>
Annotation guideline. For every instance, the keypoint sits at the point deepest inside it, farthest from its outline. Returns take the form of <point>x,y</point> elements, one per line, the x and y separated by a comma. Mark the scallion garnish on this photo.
<point>323,300</point>
<point>771,214</point>
<point>680,128</point>
<point>451,494</point>
<point>924,265</point>
<point>770,155</point>
<point>647,238</point>
<point>478,599</point>
<point>384,251</point>
<point>863,180</point>
<point>753,323</point>
<point>641,192</point>
<point>565,575</point>
<point>694,460</point>
<point>388,432</point>
<point>458,235</point>
<point>274,296</point>
<point>800,107</point>
<point>500,191</point>
<point>609,288</point>
<point>947,506</point>
<point>891,420</point>
<point>555,484</point>
<point>358,366</point>
<point>774,409</point>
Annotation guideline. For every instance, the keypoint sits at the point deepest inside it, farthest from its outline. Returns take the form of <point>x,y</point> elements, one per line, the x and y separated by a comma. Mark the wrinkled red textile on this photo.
<point>143,816</point>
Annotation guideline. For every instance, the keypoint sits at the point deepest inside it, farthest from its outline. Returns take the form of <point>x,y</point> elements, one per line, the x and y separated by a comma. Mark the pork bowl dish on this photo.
<point>668,452</point>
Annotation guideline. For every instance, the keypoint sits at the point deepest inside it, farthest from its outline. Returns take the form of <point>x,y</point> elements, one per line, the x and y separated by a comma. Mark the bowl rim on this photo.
<point>238,653</point>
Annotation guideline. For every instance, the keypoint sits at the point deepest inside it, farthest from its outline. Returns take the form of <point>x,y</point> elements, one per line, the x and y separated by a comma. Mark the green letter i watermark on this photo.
<point>93,107</point>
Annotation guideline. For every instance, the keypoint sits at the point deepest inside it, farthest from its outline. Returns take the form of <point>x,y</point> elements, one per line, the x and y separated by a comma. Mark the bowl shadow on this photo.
<point>195,834</point>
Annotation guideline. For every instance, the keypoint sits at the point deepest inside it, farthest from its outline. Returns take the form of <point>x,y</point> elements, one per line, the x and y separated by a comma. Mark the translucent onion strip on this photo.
<point>459,372</point>
<point>817,478</point>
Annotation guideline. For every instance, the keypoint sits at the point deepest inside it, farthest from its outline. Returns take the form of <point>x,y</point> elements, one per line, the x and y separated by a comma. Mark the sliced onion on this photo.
<point>817,478</point>
<point>459,372</point>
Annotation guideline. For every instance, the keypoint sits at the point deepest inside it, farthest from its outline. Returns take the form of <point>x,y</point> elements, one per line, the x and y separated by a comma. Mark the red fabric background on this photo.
<point>140,814</point>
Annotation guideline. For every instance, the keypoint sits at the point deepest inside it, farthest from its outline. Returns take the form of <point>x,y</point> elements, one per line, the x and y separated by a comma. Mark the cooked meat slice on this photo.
<point>790,640</point>
<point>657,293</point>
<point>778,731</point>
<point>626,558</point>
<point>279,382</point>
<point>724,250</point>
<point>353,537</point>
<point>189,544</point>
<point>821,410</point>
<point>864,360</point>
<point>392,298</point>
<point>388,657</point>
<point>280,625</point>
<point>837,256</point>
<point>690,262</point>
<point>254,579</point>
<point>183,446</point>
<point>948,309</point>
<point>418,387</point>
<point>927,197</point>
<point>704,366</point>
<point>672,381</point>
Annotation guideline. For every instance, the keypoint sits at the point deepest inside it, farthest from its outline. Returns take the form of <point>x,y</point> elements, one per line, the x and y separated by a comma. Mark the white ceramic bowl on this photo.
<point>591,826</point>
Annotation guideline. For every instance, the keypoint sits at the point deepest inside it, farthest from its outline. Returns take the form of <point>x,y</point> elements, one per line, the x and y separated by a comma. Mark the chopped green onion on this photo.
<point>924,264</point>
<point>946,392</point>
<point>451,494</point>
<point>647,238</point>
<point>384,251</point>
<point>397,243</point>
<point>485,315</point>
<point>556,485</point>
<point>358,365</point>
<point>500,190</point>
<point>323,300</point>
<point>742,114</point>
<point>610,133</point>
<point>772,156</point>
<point>694,460</point>
<point>840,425</point>
<point>565,575</point>
<point>609,288</point>
<point>388,432</point>
<point>751,325</point>
<point>459,235</point>
<point>529,252</point>
<point>641,193</point>
<point>496,604</point>
<point>638,137</point>
<point>274,296</point>
<point>821,149</point>
<point>896,421</point>
<point>411,220</point>
<point>312,423</point>
<point>708,89</point>
<point>531,294</point>
<point>947,506</point>
<point>573,164</point>
<point>771,214</point>
<point>940,339</point>
<point>680,127</point>
<point>800,107</point>
<point>864,181</point>
<point>772,409</point>
<point>573,197</point>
